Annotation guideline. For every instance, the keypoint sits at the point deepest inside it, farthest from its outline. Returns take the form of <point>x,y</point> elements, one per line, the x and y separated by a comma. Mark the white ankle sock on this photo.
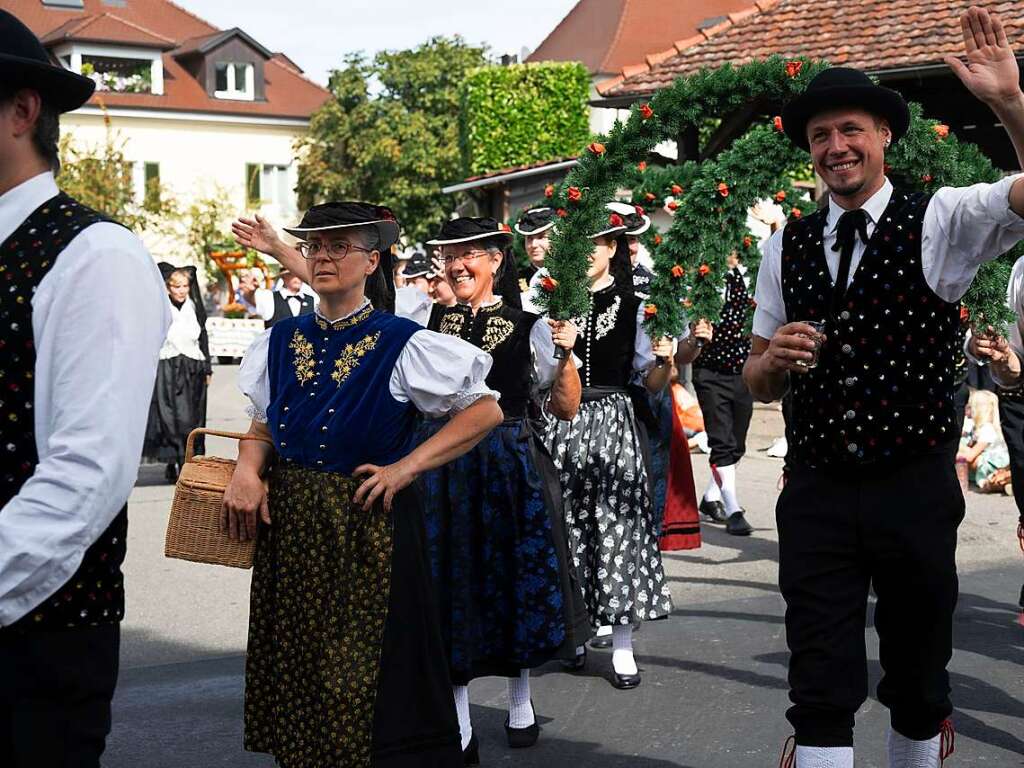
<point>580,650</point>
<point>520,710</point>
<point>824,757</point>
<point>712,493</point>
<point>728,477</point>
<point>462,710</point>
<point>907,753</point>
<point>622,653</point>
<point>605,630</point>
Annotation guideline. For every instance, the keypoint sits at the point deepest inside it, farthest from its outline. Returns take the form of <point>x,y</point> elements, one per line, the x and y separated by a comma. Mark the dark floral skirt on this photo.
<point>345,665</point>
<point>508,594</point>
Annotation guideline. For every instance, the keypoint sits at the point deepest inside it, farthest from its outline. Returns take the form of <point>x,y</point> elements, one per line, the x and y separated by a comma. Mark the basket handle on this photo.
<point>189,444</point>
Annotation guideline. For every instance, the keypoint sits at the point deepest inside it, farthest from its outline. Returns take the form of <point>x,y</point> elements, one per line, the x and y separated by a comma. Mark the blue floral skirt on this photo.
<point>501,577</point>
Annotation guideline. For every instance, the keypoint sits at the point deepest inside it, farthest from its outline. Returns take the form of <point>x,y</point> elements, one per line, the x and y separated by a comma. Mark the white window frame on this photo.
<point>248,90</point>
<point>75,51</point>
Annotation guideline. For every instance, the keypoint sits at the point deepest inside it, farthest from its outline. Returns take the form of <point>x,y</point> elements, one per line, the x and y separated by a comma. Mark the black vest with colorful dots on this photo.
<point>730,345</point>
<point>95,593</point>
<point>883,387</point>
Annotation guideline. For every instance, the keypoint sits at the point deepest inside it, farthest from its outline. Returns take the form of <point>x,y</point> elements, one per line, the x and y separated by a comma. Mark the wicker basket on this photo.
<point>194,528</point>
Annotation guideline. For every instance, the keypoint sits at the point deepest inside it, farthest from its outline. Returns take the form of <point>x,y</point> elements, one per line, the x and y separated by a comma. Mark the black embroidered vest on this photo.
<point>283,310</point>
<point>883,387</point>
<point>95,593</point>
<point>504,333</point>
<point>607,339</point>
<point>730,345</point>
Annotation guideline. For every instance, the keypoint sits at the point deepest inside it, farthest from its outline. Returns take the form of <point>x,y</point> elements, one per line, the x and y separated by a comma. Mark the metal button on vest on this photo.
<point>847,349</point>
<point>852,447</point>
<point>844,315</point>
<point>850,415</point>
<point>850,381</point>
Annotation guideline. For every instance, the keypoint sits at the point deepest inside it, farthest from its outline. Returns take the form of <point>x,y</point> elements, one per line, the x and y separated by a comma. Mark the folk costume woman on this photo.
<point>508,594</point>
<point>345,664</point>
<point>535,226</point>
<point>182,376</point>
<point>600,456</point>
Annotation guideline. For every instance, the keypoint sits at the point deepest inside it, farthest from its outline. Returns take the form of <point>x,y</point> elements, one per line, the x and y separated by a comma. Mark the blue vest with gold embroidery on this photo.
<point>331,407</point>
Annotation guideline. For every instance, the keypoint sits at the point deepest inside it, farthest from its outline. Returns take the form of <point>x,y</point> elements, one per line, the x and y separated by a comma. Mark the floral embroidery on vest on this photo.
<point>348,322</point>
<point>606,320</point>
<point>451,324</point>
<point>351,356</point>
<point>303,361</point>
<point>497,330</point>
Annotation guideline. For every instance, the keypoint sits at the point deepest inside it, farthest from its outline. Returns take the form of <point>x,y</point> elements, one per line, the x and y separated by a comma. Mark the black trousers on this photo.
<point>1011,418</point>
<point>842,533</point>
<point>55,693</point>
<point>727,406</point>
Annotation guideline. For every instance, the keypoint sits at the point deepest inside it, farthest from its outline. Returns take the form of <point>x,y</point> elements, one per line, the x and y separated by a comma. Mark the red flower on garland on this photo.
<point>677,271</point>
<point>597,148</point>
<point>777,122</point>
<point>780,196</point>
<point>615,220</point>
<point>747,241</point>
<point>703,270</point>
<point>651,197</point>
<point>646,112</point>
<point>650,310</point>
<point>549,284</point>
<point>942,131</point>
<point>793,68</point>
<point>673,205</point>
<point>676,189</point>
<point>965,314</point>
<point>639,210</point>
<point>574,194</point>
<point>641,166</point>
<point>927,178</point>
<point>657,239</point>
<point>723,189</point>
<point>549,190</point>
<point>504,227</point>
<point>796,213</point>
<point>687,303</point>
<point>562,213</point>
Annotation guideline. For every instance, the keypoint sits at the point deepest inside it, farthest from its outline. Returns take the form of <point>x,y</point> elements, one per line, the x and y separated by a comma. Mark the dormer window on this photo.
<point>235,80</point>
<point>119,75</point>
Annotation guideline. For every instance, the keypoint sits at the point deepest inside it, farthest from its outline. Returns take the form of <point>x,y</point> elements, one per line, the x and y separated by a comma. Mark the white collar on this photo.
<point>874,207</point>
<point>490,303</point>
<point>600,285</point>
<point>358,309</point>
<point>18,203</point>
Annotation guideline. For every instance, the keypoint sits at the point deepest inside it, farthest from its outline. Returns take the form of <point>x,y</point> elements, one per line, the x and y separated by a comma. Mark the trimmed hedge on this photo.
<point>523,113</point>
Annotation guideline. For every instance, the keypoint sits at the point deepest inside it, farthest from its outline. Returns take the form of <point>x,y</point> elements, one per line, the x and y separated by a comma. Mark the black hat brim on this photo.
<point>539,230</point>
<point>437,241</point>
<point>386,228</point>
<point>61,88</point>
<point>883,102</point>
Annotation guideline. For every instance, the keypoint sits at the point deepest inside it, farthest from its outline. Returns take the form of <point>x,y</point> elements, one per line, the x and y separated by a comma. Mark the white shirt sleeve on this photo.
<point>413,304</point>
<point>95,366</point>
<point>545,365</point>
<point>770,310</point>
<point>264,299</point>
<point>254,378</point>
<point>440,374</point>
<point>964,227</point>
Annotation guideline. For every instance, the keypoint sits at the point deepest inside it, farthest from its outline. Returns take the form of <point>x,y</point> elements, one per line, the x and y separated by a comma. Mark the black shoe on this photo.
<point>518,738</point>
<point>737,525</point>
<point>713,511</point>
<point>171,472</point>
<point>576,664</point>
<point>471,754</point>
<point>601,642</point>
<point>625,682</point>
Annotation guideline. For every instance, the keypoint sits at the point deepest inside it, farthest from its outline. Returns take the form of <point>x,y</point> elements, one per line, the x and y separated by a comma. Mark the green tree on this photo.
<point>390,135</point>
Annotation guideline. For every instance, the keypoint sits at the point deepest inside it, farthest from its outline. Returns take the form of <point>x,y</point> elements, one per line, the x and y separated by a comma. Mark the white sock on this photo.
<point>712,493</point>
<point>520,710</point>
<point>824,757</point>
<point>907,753</point>
<point>728,477</point>
<point>462,710</point>
<point>605,630</point>
<point>622,650</point>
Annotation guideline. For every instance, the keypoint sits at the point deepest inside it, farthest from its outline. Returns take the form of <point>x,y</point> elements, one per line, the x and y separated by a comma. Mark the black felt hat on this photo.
<point>24,63</point>
<point>469,228</point>
<point>343,215</point>
<point>417,265</point>
<point>839,87</point>
<point>636,222</point>
<point>535,221</point>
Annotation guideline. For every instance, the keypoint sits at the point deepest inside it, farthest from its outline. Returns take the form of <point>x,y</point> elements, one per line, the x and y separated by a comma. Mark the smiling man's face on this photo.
<point>848,150</point>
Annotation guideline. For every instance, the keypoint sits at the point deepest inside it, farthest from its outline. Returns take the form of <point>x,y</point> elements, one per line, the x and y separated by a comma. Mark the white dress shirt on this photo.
<point>438,374</point>
<point>99,318</point>
<point>963,227</point>
<point>264,299</point>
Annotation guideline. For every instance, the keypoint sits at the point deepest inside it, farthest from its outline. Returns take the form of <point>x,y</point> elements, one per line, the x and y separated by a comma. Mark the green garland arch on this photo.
<point>710,222</point>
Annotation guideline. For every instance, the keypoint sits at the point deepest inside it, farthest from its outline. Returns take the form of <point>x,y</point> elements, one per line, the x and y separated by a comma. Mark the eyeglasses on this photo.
<point>451,258</point>
<point>336,249</point>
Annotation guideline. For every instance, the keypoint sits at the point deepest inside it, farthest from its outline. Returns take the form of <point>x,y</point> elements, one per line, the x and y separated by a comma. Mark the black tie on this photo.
<point>851,224</point>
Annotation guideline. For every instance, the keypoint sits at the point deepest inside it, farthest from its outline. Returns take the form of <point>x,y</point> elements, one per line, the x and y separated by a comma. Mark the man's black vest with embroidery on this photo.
<point>606,341</point>
<point>730,345</point>
<point>95,594</point>
<point>504,333</point>
<point>883,387</point>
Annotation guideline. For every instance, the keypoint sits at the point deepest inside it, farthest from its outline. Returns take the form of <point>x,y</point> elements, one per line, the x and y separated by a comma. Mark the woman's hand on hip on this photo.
<point>246,496</point>
<point>382,482</point>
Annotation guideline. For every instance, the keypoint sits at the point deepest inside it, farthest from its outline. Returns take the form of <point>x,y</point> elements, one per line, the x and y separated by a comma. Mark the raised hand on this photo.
<point>258,234</point>
<point>991,72</point>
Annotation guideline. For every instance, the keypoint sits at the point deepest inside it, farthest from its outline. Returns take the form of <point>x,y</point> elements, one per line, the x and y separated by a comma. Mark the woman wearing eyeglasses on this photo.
<point>345,662</point>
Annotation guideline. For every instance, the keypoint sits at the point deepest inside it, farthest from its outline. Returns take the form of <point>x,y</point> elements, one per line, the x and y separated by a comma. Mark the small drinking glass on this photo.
<point>819,329</point>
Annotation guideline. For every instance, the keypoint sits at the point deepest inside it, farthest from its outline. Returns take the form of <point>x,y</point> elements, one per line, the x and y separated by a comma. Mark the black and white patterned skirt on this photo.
<point>609,511</point>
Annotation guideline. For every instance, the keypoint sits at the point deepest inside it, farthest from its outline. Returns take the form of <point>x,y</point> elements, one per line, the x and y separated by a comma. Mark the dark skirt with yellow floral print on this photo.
<point>345,664</point>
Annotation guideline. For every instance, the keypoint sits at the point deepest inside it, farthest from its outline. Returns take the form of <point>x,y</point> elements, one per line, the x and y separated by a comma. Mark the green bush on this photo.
<point>523,113</point>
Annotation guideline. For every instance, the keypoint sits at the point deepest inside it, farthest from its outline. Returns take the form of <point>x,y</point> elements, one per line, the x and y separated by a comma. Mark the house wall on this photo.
<point>197,157</point>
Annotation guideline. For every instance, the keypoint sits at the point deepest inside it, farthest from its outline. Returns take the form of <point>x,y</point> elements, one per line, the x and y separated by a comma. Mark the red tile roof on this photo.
<point>164,25</point>
<point>866,34</point>
<point>607,35</point>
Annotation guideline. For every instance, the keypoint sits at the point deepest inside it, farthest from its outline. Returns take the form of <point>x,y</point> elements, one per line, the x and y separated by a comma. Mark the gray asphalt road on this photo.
<point>714,690</point>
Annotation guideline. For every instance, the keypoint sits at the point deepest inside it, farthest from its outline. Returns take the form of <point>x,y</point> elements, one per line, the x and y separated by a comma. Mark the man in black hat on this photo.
<point>535,226</point>
<point>78,375</point>
<point>872,499</point>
